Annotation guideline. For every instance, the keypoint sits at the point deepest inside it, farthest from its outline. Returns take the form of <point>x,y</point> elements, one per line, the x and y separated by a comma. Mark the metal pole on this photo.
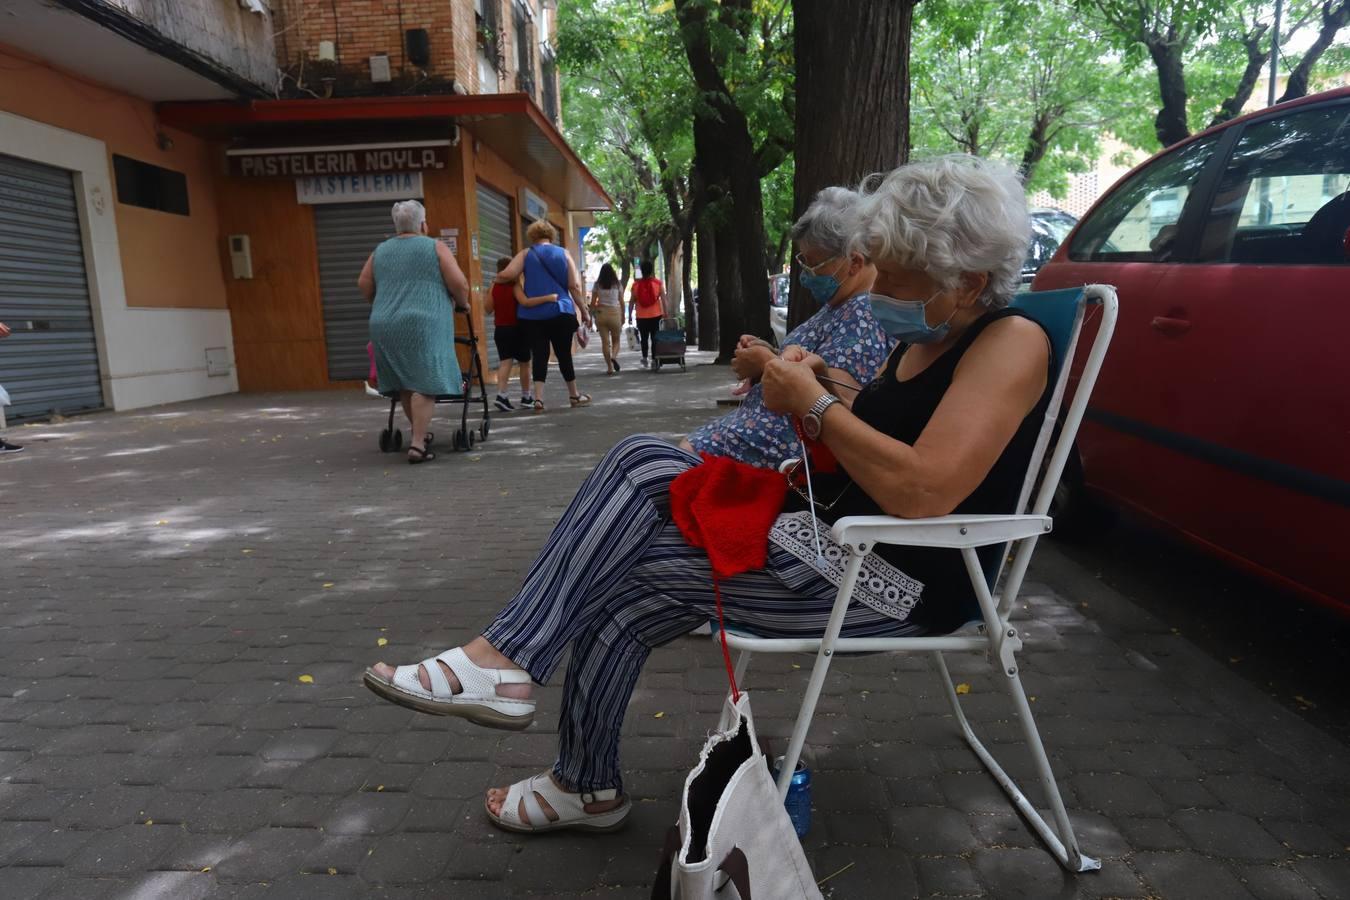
<point>1274,54</point>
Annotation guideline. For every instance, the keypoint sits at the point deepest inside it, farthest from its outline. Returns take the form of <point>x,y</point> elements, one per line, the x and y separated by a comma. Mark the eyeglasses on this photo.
<point>796,479</point>
<point>801,261</point>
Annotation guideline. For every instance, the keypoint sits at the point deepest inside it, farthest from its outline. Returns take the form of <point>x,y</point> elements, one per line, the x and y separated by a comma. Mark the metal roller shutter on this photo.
<point>494,241</point>
<point>50,363</point>
<point>347,233</point>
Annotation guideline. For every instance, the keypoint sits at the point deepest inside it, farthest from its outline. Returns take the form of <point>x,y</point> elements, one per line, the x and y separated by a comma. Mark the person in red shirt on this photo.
<point>649,301</point>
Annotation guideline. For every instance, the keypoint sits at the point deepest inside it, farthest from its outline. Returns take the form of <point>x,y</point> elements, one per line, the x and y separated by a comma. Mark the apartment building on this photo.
<point>211,174</point>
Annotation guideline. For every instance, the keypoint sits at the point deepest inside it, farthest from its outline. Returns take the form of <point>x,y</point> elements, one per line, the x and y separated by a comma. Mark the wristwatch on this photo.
<point>814,421</point>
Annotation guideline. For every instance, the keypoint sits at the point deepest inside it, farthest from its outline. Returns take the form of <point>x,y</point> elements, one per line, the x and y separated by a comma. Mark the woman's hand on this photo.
<point>749,362</point>
<point>794,353</point>
<point>789,387</point>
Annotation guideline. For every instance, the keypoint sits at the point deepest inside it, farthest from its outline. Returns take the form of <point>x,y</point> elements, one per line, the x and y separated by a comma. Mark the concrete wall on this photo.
<point>221,30</point>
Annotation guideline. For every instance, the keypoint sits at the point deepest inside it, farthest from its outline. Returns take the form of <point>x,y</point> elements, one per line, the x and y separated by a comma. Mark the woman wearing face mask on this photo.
<point>843,333</point>
<point>948,426</point>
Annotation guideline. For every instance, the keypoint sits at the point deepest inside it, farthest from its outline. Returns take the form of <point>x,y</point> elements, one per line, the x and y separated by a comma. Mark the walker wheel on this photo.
<point>457,441</point>
<point>485,428</point>
<point>469,437</point>
<point>398,439</point>
<point>386,440</point>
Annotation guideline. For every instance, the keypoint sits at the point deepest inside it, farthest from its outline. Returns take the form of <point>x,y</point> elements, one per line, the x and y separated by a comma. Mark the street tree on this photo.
<point>852,101</point>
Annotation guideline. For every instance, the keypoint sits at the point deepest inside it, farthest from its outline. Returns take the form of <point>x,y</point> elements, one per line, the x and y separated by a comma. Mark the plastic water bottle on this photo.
<point>798,801</point>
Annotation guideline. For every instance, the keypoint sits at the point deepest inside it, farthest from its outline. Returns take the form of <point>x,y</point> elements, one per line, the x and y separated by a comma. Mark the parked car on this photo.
<point>1223,410</point>
<point>1049,228</point>
<point>780,287</point>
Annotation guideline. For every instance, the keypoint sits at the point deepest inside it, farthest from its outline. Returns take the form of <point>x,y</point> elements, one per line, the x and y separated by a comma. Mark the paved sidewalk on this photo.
<point>188,595</point>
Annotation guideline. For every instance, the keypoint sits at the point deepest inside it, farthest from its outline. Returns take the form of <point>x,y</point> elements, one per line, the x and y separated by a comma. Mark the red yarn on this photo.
<point>727,507</point>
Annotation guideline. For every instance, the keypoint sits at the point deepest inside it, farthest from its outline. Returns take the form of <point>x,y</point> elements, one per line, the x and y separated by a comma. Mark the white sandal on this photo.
<point>478,700</point>
<point>569,807</point>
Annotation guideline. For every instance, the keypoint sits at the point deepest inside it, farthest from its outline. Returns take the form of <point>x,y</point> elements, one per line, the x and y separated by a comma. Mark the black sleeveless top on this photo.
<point>901,409</point>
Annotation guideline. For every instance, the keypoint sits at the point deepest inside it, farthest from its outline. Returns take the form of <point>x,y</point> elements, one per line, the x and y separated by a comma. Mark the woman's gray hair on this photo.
<point>950,216</point>
<point>409,216</point>
<point>832,222</point>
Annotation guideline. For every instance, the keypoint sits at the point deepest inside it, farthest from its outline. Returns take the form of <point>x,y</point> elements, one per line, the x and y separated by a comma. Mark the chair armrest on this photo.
<point>943,531</point>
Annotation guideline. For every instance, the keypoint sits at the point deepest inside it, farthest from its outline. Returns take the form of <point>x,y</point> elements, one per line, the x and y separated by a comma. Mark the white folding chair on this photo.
<point>1062,313</point>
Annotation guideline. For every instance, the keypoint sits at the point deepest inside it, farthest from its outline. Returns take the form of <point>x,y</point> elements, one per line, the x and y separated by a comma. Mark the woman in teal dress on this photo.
<point>410,279</point>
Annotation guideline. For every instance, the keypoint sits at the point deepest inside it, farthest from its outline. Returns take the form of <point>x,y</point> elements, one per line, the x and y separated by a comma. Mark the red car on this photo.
<point>1223,410</point>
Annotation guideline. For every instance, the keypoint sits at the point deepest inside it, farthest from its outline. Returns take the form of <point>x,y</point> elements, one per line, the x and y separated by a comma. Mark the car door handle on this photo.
<point>1170,326</point>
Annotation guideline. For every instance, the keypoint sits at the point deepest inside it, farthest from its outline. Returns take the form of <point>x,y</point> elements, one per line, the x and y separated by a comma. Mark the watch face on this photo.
<point>811,425</point>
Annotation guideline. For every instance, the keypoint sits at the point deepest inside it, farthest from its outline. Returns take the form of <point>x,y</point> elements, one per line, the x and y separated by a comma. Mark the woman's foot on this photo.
<point>542,804</point>
<point>474,682</point>
<point>417,455</point>
<point>580,400</point>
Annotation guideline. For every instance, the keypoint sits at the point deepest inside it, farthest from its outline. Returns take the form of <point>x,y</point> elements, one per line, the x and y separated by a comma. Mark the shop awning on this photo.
<point>510,124</point>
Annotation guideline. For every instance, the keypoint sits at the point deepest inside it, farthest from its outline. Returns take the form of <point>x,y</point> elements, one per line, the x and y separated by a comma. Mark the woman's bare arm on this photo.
<point>513,270</point>
<point>365,282</point>
<point>995,386</point>
<point>454,279</point>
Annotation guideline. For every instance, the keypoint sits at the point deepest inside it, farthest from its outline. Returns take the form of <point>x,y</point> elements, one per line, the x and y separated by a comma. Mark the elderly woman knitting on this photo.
<point>836,272</point>
<point>947,426</point>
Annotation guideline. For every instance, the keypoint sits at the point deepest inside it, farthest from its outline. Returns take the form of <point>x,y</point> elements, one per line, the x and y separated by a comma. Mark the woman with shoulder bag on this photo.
<point>649,302</point>
<point>549,269</point>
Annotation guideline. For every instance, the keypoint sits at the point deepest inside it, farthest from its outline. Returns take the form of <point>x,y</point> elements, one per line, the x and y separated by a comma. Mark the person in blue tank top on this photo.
<point>409,280</point>
<point>549,323</point>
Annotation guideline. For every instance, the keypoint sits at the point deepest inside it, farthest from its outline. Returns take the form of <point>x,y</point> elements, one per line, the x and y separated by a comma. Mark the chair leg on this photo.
<point>742,661</point>
<point>1064,844</point>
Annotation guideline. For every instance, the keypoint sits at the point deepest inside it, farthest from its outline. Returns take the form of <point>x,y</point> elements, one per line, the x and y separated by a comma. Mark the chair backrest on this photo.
<point>1061,313</point>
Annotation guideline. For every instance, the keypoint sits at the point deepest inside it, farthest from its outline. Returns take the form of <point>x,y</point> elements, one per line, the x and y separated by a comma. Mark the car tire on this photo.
<point>1079,516</point>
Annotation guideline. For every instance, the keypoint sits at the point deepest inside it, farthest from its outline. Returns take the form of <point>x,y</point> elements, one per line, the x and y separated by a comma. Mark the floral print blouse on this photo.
<point>847,337</point>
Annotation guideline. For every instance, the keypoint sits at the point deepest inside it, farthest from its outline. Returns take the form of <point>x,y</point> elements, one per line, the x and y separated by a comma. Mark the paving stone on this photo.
<point>1022,872</point>
<point>1119,795</point>
<point>1275,883</point>
<point>367,813</point>
<point>1228,834</point>
<point>1331,877</point>
<point>1187,874</point>
<point>928,830</point>
<point>124,851</point>
<point>946,876</point>
<point>266,855</point>
<point>403,858</point>
<point>1151,834</point>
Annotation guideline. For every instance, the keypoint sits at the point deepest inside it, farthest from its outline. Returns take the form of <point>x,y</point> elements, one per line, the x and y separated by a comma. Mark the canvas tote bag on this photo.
<point>734,840</point>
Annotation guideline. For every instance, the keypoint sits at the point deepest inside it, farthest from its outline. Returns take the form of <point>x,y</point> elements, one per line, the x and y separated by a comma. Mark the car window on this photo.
<point>1283,197</point>
<point>1138,221</point>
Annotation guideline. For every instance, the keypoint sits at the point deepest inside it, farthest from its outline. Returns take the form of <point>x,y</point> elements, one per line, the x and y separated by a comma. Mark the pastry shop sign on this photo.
<point>343,159</point>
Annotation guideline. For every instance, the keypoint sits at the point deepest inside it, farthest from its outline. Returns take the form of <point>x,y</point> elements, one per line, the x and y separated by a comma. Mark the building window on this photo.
<point>524,56</point>
<point>149,186</point>
<point>489,21</point>
<point>549,78</point>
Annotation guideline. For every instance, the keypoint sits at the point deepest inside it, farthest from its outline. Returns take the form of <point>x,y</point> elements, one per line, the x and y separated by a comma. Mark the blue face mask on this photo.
<point>905,321</point>
<point>821,287</point>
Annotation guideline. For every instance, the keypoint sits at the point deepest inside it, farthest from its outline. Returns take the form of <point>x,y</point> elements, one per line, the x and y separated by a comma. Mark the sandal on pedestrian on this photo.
<point>538,405</point>
<point>477,701</point>
<point>570,808</point>
<point>580,400</point>
<point>424,454</point>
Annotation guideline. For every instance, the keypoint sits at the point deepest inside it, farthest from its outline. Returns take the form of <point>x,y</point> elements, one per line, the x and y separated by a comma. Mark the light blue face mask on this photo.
<point>821,287</point>
<point>905,321</point>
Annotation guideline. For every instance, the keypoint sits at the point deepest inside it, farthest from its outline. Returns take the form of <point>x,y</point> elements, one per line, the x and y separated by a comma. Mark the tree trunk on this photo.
<point>707,284</point>
<point>1170,123</point>
<point>670,250</point>
<point>725,155</point>
<point>690,311</point>
<point>1256,61</point>
<point>1038,143</point>
<point>1333,20</point>
<point>855,49</point>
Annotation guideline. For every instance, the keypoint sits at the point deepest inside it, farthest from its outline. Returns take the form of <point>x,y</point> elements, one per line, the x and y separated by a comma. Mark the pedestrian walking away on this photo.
<point>6,448</point>
<point>948,427</point>
<point>837,273</point>
<point>410,280</point>
<point>607,306</point>
<point>549,270</point>
<point>647,299</point>
<point>513,346</point>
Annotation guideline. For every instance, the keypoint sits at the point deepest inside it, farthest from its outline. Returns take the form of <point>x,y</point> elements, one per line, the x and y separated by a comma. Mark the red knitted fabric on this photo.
<point>727,507</point>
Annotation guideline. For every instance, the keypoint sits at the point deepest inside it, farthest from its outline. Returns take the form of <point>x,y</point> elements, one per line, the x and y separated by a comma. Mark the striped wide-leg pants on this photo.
<point>616,579</point>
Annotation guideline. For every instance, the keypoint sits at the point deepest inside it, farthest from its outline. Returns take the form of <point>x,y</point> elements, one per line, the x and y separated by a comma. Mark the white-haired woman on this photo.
<point>836,272</point>
<point>410,280</point>
<point>948,426</point>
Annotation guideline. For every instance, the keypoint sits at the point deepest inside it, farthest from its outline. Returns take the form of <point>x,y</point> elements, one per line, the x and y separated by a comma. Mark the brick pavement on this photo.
<point>168,576</point>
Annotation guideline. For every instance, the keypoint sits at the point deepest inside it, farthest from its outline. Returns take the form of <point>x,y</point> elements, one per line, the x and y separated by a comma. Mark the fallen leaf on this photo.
<point>380,642</point>
<point>795,666</point>
<point>1307,703</point>
<point>206,868</point>
<point>162,522</point>
<point>247,551</point>
<point>149,821</point>
<point>1235,659</point>
<point>306,679</point>
<point>332,871</point>
<point>963,688</point>
<point>379,787</point>
<point>328,584</point>
<point>1031,699</point>
<point>659,715</point>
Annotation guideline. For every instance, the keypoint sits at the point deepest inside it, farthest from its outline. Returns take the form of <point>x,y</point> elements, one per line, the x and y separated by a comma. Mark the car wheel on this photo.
<point>1078,516</point>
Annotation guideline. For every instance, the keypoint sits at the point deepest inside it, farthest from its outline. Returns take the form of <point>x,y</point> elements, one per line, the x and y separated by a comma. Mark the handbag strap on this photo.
<point>722,633</point>
<point>661,887</point>
<point>737,868</point>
